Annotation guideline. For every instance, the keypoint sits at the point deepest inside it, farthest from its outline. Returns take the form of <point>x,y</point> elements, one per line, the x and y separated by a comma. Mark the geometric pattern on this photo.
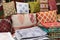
<point>5,26</point>
<point>22,7</point>
<point>9,8</point>
<point>50,16</point>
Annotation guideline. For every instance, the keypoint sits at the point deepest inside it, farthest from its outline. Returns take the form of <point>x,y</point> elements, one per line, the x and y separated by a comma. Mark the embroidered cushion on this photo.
<point>9,8</point>
<point>22,7</point>
<point>23,20</point>
<point>50,16</point>
<point>5,26</point>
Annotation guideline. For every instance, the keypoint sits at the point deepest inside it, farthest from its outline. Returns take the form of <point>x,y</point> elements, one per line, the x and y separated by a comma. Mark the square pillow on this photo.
<point>23,20</point>
<point>9,8</point>
<point>22,7</point>
<point>34,7</point>
<point>50,16</point>
<point>6,26</point>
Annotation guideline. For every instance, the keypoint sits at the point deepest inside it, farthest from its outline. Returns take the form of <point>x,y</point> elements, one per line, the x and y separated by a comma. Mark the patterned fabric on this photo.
<point>9,8</point>
<point>5,26</point>
<point>50,16</point>
<point>22,7</point>
<point>34,7</point>
<point>52,5</point>
<point>1,9</point>
<point>54,35</point>
<point>52,24</point>
<point>54,29</point>
<point>43,5</point>
<point>23,20</point>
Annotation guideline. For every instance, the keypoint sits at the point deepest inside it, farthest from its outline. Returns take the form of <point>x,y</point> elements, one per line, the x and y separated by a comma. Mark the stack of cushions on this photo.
<point>9,8</point>
<point>46,17</point>
<point>23,20</point>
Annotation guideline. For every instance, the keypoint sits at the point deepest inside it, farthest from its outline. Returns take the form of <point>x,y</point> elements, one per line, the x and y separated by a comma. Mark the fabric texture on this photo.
<point>9,8</point>
<point>23,20</point>
<point>22,7</point>
<point>34,7</point>
<point>52,5</point>
<point>5,26</point>
<point>50,16</point>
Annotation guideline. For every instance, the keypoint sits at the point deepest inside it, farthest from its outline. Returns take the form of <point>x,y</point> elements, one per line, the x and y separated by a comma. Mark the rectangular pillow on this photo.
<point>50,16</point>
<point>30,33</point>
<point>51,25</point>
<point>22,7</point>
<point>23,20</point>
<point>9,8</point>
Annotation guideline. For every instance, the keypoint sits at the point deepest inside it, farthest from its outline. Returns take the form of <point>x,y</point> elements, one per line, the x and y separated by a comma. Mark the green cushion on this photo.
<point>34,7</point>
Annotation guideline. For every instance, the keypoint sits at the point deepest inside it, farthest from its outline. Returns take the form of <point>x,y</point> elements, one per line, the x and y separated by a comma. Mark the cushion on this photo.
<point>33,32</point>
<point>9,8</point>
<point>5,26</point>
<point>23,20</point>
<point>50,16</point>
<point>52,4</point>
<point>52,24</point>
<point>43,1</point>
<point>22,7</point>
<point>34,7</point>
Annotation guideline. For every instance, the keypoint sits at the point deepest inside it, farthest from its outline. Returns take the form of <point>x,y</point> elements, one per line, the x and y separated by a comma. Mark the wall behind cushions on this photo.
<point>9,8</point>
<point>50,16</point>
<point>23,20</point>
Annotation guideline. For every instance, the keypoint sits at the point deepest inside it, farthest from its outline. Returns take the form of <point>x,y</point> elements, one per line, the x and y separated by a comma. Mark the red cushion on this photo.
<point>5,26</point>
<point>52,24</point>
